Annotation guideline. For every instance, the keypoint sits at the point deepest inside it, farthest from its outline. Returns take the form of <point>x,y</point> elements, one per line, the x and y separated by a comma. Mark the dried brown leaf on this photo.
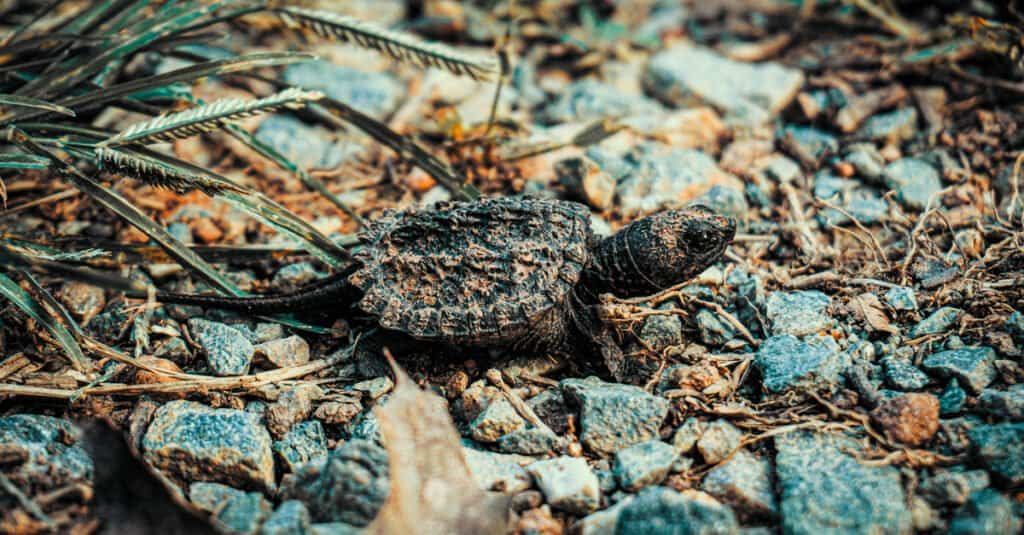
<point>432,489</point>
<point>870,309</point>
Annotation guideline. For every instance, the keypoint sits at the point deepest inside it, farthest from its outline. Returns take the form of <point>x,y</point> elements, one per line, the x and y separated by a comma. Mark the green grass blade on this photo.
<point>34,103</point>
<point>119,205</point>
<point>11,257</point>
<point>23,161</point>
<point>23,300</point>
<point>209,117</point>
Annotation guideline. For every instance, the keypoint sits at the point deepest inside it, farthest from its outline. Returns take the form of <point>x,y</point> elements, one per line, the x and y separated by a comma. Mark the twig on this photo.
<point>26,502</point>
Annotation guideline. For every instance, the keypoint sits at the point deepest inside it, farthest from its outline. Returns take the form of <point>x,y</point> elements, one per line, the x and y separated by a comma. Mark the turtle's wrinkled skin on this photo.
<point>507,273</point>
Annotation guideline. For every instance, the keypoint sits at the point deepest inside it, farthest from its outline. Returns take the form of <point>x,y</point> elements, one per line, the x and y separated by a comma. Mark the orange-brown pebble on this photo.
<point>206,231</point>
<point>419,181</point>
<point>845,169</point>
<point>912,419</point>
<point>146,377</point>
<point>456,384</point>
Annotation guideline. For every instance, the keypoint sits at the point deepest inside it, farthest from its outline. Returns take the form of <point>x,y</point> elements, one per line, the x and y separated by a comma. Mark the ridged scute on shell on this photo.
<point>472,272</point>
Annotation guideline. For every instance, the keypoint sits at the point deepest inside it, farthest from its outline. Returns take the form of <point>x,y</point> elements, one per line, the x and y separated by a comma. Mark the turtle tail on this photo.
<point>334,292</point>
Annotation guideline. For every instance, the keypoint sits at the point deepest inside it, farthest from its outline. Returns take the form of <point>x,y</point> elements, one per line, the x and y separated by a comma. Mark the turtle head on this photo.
<point>659,251</point>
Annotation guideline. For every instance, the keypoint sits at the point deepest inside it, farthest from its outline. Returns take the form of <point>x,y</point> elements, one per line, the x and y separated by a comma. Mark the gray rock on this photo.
<point>237,511</point>
<point>366,426</point>
<point>283,352</point>
<point>588,100</point>
<point>374,93</point>
<point>811,141</point>
<point>952,399</point>
<point>643,464</point>
<point>656,177</point>
<point>866,160</point>
<point>530,441</point>
<point>83,301</point>
<point>304,145</point>
<point>305,442</point>
<point>290,518</point>
<point>292,406</point>
<point>349,486</point>
<point>914,181</point>
<point>584,180</point>
<point>714,331</point>
<point>292,276</point>
<point>1015,326</point>
<point>902,375</point>
<point>743,482</point>
<point>602,522</point>
<point>227,351</point>
<point>937,322</point>
<point>664,511</point>
<point>972,366</point>
<point>685,74</point>
<point>860,203</point>
<point>787,362</point>
<point>949,488</point>
<point>824,489</point>
<point>1003,405</point>
<point>196,443</point>
<point>498,472</point>
<point>614,416</point>
<point>497,419</point>
<point>987,512</point>
<point>550,407</point>
<point>1000,449</point>
<point>782,170</point>
<point>374,388</point>
<point>687,435</point>
<point>48,450</point>
<point>895,126</point>
<point>662,331</point>
<point>798,313</point>
<point>568,484</point>
<point>725,200</point>
<point>901,298</point>
<point>719,439</point>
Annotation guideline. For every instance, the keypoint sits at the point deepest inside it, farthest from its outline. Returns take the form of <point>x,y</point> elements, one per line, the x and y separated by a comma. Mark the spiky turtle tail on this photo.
<point>334,292</point>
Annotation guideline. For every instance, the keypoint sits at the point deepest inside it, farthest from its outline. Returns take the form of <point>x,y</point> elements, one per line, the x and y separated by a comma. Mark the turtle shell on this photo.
<point>472,272</point>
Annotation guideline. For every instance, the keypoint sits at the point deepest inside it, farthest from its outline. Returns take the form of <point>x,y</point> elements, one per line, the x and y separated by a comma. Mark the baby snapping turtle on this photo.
<point>515,273</point>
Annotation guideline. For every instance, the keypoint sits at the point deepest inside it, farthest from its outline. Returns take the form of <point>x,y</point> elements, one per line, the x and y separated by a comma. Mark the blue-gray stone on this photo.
<point>236,510</point>
<point>999,448</point>
<point>826,490</point>
<point>743,482</point>
<point>1015,326</point>
<point>798,313</point>
<point>1003,404</point>
<point>366,426</point>
<point>374,388</point>
<point>292,276</point>
<point>952,399</point>
<point>719,440</point>
<point>725,201</point>
<point>290,518</point>
<point>782,169</point>
<point>787,362</point>
<point>948,488</point>
<point>614,416</point>
<point>349,486</point>
<point>305,442</point>
<point>499,472</point>
<point>687,435</point>
<point>661,331</point>
<point>972,366</point>
<point>988,512</point>
<point>228,352</point>
<point>714,331</point>
<point>181,231</point>
<point>813,142</point>
<point>374,93</point>
<point>497,419</point>
<point>895,126</point>
<point>664,511</point>
<point>336,528</point>
<point>902,375</point>
<point>568,484</point>
<point>866,160</point>
<point>939,321</point>
<point>914,181</point>
<point>49,447</point>
<point>901,298</point>
<point>684,75</point>
<point>530,441</point>
<point>587,100</point>
<point>643,464</point>
<point>197,443</point>
<point>304,145</point>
